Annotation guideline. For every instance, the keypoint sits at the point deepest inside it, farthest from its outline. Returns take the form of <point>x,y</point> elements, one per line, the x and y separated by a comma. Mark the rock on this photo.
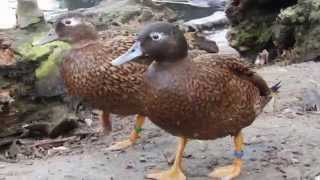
<point>5,101</point>
<point>276,26</point>
<point>36,130</point>
<point>249,38</point>
<point>311,100</point>
<point>88,122</point>
<point>38,53</point>
<point>298,20</point>
<point>5,142</point>
<point>76,4</point>
<point>48,82</point>
<point>63,126</point>
<point>206,44</point>
<point>112,12</point>
<point>28,13</point>
<point>59,121</point>
<point>130,165</point>
<point>214,21</point>
<point>188,10</point>
<point>14,150</point>
<point>196,3</point>
<point>142,159</point>
<point>146,15</point>
<point>58,150</point>
<point>198,42</point>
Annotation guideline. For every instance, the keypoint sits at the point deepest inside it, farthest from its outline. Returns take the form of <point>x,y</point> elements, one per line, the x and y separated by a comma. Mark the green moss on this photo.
<point>34,53</point>
<point>49,55</point>
<point>254,36</point>
<point>315,15</point>
<point>53,61</point>
<point>28,52</point>
<point>265,34</point>
<point>291,15</point>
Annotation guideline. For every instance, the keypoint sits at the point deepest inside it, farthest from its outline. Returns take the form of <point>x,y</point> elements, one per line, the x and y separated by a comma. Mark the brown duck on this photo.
<point>206,97</point>
<point>88,73</point>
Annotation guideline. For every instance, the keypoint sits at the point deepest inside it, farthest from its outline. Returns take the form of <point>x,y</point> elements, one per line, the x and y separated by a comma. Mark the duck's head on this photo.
<point>71,28</point>
<point>159,41</point>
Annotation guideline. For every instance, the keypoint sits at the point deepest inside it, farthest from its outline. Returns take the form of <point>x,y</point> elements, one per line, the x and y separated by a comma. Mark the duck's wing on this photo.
<point>237,67</point>
<point>88,68</point>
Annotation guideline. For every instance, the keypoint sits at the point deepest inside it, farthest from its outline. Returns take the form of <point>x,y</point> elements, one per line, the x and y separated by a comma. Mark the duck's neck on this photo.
<point>168,64</point>
<point>83,43</point>
<point>173,58</point>
<point>161,74</point>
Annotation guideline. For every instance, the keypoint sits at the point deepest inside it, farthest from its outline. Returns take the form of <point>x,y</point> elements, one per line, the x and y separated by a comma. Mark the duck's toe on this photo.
<point>226,172</point>
<point>172,174</point>
<point>121,145</point>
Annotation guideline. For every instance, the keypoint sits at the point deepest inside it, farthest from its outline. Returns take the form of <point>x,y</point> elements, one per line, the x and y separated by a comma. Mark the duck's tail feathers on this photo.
<point>275,88</point>
<point>273,92</point>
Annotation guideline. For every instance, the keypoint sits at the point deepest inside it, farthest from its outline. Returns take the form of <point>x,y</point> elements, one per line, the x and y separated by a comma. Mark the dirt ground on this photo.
<point>281,144</point>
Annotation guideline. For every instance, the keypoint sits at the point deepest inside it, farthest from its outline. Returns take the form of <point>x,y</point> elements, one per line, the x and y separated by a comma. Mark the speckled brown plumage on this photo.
<point>199,100</point>
<point>88,73</point>
<point>197,97</point>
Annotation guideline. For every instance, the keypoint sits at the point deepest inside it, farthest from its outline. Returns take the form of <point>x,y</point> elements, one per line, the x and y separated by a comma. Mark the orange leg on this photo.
<point>275,96</point>
<point>105,122</point>
<point>175,173</point>
<point>232,171</point>
<point>134,136</point>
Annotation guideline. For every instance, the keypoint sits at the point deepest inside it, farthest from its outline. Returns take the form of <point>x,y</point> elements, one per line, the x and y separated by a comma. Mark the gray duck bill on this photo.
<point>133,53</point>
<point>51,36</point>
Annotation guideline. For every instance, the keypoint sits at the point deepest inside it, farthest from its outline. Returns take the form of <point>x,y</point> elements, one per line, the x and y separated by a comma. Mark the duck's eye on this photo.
<point>71,22</point>
<point>68,22</point>
<point>156,36</point>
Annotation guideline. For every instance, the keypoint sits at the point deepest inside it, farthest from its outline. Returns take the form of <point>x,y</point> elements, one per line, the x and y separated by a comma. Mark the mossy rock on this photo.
<point>53,61</point>
<point>48,58</point>
<point>48,79</point>
<point>291,25</point>
<point>252,36</point>
<point>35,53</point>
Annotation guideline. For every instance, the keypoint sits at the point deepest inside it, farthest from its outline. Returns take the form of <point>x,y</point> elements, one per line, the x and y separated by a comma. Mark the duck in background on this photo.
<point>87,72</point>
<point>206,97</point>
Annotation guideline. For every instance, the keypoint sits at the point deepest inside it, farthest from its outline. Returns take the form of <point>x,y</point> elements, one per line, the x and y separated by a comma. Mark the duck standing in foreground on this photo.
<point>88,73</point>
<point>207,97</point>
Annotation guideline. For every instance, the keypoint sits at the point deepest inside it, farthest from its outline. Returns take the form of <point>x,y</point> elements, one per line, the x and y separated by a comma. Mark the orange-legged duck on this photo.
<point>206,97</point>
<point>88,73</point>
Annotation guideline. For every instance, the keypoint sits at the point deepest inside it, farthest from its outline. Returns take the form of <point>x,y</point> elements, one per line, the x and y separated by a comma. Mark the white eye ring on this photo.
<point>156,36</point>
